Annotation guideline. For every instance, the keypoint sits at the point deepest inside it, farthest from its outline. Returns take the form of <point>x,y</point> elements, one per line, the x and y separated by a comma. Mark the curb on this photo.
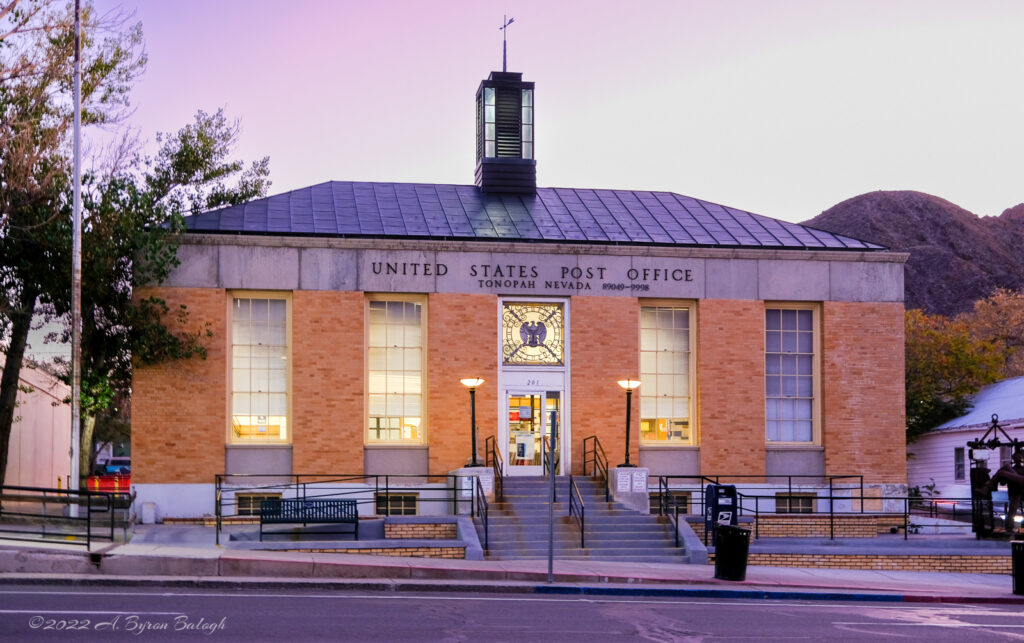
<point>504,587</point>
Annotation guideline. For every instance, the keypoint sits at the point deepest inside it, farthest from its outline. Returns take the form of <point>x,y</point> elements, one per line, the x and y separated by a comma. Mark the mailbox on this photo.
<point>720,506</point>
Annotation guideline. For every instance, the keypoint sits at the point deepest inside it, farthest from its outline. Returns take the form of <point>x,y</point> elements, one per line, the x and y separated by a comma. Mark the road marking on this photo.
<point>887,624</point>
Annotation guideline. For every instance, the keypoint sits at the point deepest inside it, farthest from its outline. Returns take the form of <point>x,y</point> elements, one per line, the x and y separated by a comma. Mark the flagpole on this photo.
<point>76,276</point>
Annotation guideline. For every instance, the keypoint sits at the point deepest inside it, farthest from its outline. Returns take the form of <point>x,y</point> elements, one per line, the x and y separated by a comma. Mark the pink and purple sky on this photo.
<point>780,107</point>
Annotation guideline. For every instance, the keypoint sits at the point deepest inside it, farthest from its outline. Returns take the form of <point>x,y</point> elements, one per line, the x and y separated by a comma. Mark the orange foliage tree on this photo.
<point>947,361</point>
<point>999,319</point>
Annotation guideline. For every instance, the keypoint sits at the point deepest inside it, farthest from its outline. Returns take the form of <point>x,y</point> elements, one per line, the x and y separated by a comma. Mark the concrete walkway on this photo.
<point>187,555</point>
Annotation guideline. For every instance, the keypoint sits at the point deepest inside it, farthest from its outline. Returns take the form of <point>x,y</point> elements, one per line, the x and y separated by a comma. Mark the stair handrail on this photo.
<point>593,453</point>
<point>481,511</point>
<point>578,513</point>
<point>666,497</point>
<point>493,459</point>
<point>545,450</point>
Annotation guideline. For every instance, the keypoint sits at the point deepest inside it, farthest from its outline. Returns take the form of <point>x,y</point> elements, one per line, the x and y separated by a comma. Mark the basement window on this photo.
<point>396,504</point>
<point>249,503</point>
<point>794,503</point>
<point>682,499</point>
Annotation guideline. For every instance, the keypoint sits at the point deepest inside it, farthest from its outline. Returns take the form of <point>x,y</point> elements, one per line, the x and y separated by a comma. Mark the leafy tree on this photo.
<point>131,214</point>
<point>130,223</point>
<point>36,113</point>
<point>999,319</point>
<point>945,364</point>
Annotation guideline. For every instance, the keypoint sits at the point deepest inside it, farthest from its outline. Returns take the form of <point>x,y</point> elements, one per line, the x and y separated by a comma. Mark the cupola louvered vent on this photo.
<point>509,120</point>
<point>504,134</point>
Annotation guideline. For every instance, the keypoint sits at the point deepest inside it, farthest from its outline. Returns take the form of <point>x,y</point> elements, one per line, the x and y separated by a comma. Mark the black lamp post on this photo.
<point>472,383</point>
<point>629,385</point>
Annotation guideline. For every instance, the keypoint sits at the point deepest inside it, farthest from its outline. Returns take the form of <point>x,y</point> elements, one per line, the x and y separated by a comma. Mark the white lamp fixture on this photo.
<point>629,385</point>
<point>472,383</point>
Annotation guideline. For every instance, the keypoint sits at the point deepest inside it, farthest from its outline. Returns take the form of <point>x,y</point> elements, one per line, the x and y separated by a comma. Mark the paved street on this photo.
<point>32,612</point>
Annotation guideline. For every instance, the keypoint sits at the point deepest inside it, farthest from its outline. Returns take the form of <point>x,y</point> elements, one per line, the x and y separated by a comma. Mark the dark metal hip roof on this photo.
<point>463,212</point>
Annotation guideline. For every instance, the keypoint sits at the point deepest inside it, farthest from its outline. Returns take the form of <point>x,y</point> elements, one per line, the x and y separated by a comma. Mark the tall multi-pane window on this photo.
<point>789,365</point>
<point>489,123</point>
<point>527,123</point>
<point>395,371</point>
<point>665,411</point>
<point>259,369</point>
<point>959,464</point>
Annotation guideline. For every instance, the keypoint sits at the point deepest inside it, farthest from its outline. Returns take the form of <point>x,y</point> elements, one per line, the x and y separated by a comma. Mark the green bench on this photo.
<point>278,511</point>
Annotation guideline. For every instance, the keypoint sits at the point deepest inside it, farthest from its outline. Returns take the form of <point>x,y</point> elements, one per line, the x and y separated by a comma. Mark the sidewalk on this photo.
<point>186,555</point>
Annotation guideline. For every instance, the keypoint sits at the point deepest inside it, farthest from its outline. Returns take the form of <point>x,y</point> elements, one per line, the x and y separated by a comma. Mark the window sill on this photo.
<point>794,446</point>
<point>666,447</point>
<point>395,445</point>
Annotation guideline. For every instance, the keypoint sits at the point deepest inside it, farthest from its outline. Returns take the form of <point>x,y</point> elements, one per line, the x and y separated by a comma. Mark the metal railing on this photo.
<point>577,510</point>
<point>697,484</point>
<point>493,459</point>
<point>546,468</point>
<point>374,490</point>
<point>37,514</point>
<point>481,511</point>
<point>827,500</point>
<point>668,505</point>
<point>593,455</point>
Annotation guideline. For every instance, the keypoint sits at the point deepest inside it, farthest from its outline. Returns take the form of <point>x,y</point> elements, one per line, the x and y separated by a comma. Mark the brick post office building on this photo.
<point>345,314</point>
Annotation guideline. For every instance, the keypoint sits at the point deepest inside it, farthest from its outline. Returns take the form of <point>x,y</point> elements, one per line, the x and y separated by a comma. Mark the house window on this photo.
<point>396,504</point>
<point>259,369</point>
<point>665,382</point>
<point>959,464</point>
<point>794,503</point>
<point>395,371</point>
<point>249,503</point>
<point>791,399</point>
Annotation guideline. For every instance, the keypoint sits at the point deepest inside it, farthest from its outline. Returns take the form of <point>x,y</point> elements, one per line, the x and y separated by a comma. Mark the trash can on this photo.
<point>1016,565</point>
<point>731,545</point>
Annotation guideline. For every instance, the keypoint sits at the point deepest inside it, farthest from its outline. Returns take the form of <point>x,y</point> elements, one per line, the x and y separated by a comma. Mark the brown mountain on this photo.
<point>956,257</point>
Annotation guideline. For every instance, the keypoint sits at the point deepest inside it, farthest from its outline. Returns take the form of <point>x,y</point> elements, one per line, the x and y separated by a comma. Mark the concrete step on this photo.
<point>635,559</point>
<point>607,548</point>
<point>518,525</point>
<point>536,512</point>
<point>630,535</point>
<point>591,519</point>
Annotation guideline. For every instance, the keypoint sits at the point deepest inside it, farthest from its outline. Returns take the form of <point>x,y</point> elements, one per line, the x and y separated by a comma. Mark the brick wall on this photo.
<point>605,335</point>
<point>444,531</point>
<point>730,386</point>
<point>412,552</point>
<point>796,526</point>
<point>924,563</point>
<point>462,332</point>
<point>328,408</point>
<point>179,408</point>
<point>863,395</point>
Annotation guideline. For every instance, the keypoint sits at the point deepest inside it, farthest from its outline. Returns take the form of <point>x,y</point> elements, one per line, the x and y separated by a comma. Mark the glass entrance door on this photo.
<point>529,429</point>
